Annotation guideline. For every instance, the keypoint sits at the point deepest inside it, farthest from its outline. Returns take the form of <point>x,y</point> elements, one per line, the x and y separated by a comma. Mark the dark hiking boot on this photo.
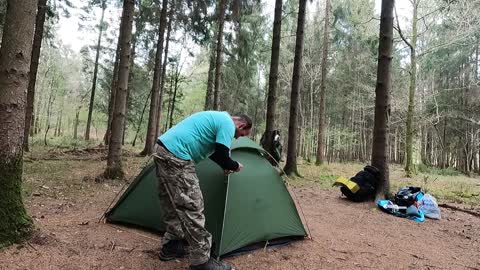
<point>173,249</point>
<point>212,264</point>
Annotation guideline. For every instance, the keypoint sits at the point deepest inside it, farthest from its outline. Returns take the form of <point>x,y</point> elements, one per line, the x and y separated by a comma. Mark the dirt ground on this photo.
<point>344,235</point>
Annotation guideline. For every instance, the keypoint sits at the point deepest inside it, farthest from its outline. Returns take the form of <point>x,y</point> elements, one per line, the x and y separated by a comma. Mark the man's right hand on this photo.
<point>240,167</point>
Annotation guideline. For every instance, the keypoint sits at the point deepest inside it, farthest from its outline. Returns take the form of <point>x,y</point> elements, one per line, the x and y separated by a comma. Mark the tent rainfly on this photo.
<point>245,208</point>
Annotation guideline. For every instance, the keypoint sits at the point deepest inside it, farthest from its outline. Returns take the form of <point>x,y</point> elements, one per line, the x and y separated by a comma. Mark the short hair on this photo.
<point>246,119</point>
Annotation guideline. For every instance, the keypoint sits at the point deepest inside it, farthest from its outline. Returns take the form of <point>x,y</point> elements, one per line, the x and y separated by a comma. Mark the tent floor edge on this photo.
<point>273,243</point>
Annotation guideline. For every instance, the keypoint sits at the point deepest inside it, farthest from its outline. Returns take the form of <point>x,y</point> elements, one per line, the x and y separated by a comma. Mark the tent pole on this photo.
<point>223,219</point>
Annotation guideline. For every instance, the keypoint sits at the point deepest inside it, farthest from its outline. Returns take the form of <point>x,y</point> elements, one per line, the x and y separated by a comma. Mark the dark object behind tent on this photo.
<point>276,153</point>
<point>251,206</point>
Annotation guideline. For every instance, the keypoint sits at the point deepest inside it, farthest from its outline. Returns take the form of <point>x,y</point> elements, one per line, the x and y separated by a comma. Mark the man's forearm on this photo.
<point>221,156</point>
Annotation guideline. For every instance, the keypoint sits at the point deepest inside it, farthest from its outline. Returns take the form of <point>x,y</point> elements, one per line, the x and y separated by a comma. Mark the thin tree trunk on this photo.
<point>15,56</point>
<point>57,122</point>
<point>291,164</point>
<point>39,106</point>
<point>60,116</point>
<point>444,145</point>
<point>170,93</point>
<point>382,98</point>
<point>95,73</point>
<point>131,72</point>
<point>113,89</point>
<point>36,116</point>
<point>211,74</point>
<point>395,147</point>
<point>218,58</point>
<point>476,77</point>
<point>211,70</point>
<point>312,120</point>
<point>175,88</point>
<point>75,124</point>
<point>141,119</point>
<point>114,163</point>
<point>409,166</point>
<point>273,78</point>
<point>51,99</point>
<point>321,115</point>
<point>37,45</point>
<point>478,162</point>
<point>126,109</point>
<point>164,69</point>
<point>152,116</point>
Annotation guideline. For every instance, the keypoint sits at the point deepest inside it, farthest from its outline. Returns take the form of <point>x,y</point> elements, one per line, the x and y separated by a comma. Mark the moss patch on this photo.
<point>15,224</point>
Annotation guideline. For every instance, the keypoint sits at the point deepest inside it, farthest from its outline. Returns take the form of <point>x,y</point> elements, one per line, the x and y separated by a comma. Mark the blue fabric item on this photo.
<point>391,208</point>
<point>194,137</point>
<point>411,212</point>
<point>415,214</point>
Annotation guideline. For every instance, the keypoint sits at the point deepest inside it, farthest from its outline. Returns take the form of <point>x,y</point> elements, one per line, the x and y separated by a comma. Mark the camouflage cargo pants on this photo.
<point>184,216</point>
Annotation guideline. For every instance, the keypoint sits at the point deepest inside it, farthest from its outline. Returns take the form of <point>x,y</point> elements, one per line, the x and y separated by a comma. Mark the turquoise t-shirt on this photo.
<point>194,137</point>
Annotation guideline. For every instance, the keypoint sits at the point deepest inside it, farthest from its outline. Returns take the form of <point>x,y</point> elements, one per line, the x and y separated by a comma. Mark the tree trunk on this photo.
<point>75,125</point>
<point>95,73</point>
<point>219,48</point>
<point>444,144</point>
<point>51,99</point>
<point>478,162</point>
<point>131,74</point>
<point>113,89</point>
<point>272,78</point>
<point>36,116</point>
<point>211,74</point>
<point>152,116</point>
<point>114,162</point>
<point>170,93</point>
<point>37,44</point>
<point>291,164</point>
<point>57,123</point>
<point>15,56</point>
<point>477,53</point>
<point>141,119</point>
<point>175,88</point>
<point>164,69</point>
<point>382,98</point>
<point>58,129</point>
<point>321,115</point>
<point>410,133</point>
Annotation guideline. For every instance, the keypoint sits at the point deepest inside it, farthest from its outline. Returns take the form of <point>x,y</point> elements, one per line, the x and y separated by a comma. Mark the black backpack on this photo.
<point>407,196</point>
<point>367,180</point>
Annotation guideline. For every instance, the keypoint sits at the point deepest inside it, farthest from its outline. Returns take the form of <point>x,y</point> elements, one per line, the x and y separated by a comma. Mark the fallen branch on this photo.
<point>473,213</point>
<point>32,246</point>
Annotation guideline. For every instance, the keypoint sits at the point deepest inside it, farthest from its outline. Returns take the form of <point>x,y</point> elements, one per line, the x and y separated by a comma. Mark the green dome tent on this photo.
<point>242,209</point>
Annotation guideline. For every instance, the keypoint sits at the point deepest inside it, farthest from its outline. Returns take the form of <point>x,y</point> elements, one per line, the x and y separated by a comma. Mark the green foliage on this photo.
<point>247,56</point>
<point>437,171</point>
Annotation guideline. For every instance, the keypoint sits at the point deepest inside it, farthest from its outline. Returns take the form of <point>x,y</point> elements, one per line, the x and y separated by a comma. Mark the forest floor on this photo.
<point>66,203</point>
